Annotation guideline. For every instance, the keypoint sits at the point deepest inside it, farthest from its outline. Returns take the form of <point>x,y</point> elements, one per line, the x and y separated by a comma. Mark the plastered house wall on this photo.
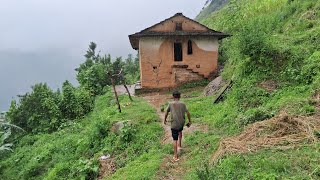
<point>157,60</point>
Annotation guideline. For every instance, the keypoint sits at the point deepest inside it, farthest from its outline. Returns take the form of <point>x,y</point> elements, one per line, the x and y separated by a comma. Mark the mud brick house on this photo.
<point>176,51</point>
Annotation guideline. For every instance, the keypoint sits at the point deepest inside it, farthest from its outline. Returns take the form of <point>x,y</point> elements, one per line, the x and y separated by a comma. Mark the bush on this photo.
<point>92,74</point>
<point>37,111</point>
<point>127,133</point>
<point>43,110</point>
<point>311,68</point>
<point>75,102</point>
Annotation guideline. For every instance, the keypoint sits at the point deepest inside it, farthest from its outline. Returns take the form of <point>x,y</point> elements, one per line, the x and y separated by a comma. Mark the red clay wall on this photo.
<point>157,59</point>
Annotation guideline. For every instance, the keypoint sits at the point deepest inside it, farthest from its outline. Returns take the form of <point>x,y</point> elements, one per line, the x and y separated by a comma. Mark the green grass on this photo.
<point>144,167</point>
<point>72,152</point>
<point>272,40</point>
<point>298,163</point>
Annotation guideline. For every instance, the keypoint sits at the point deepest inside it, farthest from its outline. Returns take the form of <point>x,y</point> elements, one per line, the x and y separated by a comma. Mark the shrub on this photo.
<point>75,102</point>
<point>311,68</point>
<point>127,132</point>
<point>37,111</point>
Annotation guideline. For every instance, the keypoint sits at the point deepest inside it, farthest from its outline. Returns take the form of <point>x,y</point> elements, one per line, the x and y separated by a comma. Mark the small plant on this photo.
<point>88,167</point>
<point>127,132</point>
<point>204,173</point>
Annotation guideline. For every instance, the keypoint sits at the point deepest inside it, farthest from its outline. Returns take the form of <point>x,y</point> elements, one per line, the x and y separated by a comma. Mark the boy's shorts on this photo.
<point>175,133</point>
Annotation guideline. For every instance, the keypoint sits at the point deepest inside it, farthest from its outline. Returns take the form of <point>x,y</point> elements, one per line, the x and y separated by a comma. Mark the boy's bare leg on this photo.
<point>175,149</point>
<point>180,139</point>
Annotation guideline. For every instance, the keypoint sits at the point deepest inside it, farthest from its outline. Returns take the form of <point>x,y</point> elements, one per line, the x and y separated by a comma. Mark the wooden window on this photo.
<point>178,26</point>
<point>189,47</point>
<point>177,51</point>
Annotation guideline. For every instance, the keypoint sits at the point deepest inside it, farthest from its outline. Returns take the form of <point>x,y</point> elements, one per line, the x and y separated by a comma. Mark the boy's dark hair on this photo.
<point>176,94</point>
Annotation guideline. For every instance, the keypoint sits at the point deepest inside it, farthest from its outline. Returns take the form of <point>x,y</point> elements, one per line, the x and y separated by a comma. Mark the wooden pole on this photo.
<point>222,94</point>
<point>123,80</point>
<point>115,92</point>
<point>125,86</point>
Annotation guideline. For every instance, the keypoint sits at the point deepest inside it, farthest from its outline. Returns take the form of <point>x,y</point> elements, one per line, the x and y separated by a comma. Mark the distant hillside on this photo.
<point>211,6</point>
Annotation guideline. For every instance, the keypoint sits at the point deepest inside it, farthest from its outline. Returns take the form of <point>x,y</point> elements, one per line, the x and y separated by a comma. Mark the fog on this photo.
<point>45,40</point>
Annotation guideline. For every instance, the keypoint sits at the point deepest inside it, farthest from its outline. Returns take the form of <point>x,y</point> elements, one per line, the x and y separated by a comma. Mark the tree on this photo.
<point>68,104</point>
<point>131,69</point>
<point>37,111</point>
<point>117,65</point>
<point>91,74</point>
<point>75,102</point>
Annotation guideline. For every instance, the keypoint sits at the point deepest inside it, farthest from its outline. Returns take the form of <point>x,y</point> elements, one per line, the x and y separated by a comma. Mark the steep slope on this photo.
<point>273,58</point>
<point>210,7</point>
<point>73,152</point>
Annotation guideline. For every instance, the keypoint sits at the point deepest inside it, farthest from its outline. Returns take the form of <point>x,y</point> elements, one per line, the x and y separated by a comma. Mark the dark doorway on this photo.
<point>177,51</point>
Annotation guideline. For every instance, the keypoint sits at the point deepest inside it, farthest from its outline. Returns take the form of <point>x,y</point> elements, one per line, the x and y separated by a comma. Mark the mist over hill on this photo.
<point>20,70</point>
<point>44,41</point>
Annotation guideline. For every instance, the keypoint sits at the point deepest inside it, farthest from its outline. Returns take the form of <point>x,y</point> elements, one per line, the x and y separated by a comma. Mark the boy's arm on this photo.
<point>166,115</point>
<point>189,117</point>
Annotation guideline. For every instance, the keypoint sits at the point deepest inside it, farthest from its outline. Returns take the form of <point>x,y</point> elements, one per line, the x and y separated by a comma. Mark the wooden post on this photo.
<point>222,94</point>
<point>122,79</point>
<point>115,92</point>
<point>125,86</point>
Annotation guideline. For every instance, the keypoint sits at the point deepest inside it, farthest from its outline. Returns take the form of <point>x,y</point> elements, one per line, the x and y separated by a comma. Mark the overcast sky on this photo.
<point>44,40</point>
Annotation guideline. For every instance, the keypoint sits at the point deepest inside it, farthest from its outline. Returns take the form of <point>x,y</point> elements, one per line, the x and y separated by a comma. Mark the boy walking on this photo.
<point>178,110</point>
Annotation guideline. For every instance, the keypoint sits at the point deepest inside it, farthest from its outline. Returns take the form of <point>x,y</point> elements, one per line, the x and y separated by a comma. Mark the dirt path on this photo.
<point>122,90</point>
<point>169,169</point>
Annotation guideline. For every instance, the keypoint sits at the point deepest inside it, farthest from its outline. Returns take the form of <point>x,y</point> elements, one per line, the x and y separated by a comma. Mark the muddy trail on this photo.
<point>170,169</point>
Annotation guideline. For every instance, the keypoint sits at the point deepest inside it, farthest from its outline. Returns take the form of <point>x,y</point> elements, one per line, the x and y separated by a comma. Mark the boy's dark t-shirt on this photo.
<point>177,110</point>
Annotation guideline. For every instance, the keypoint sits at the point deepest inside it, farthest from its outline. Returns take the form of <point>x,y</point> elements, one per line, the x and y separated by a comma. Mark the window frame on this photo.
<point>178,26</point>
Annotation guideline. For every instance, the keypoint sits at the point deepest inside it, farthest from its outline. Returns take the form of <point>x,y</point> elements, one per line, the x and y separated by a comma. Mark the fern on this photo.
<point>5,132</point>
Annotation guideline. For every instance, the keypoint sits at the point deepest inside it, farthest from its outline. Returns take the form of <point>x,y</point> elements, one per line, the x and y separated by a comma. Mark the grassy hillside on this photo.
<point>275,42</point>
<point>73,151</point>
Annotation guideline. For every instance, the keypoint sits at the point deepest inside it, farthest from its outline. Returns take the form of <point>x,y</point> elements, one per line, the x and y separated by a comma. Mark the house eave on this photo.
<point>135,38</point>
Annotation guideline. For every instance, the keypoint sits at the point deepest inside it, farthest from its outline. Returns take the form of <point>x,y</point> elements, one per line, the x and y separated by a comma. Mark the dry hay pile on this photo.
<point>269,85</point>
<point>107,168</point>
<point>282,131</point>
